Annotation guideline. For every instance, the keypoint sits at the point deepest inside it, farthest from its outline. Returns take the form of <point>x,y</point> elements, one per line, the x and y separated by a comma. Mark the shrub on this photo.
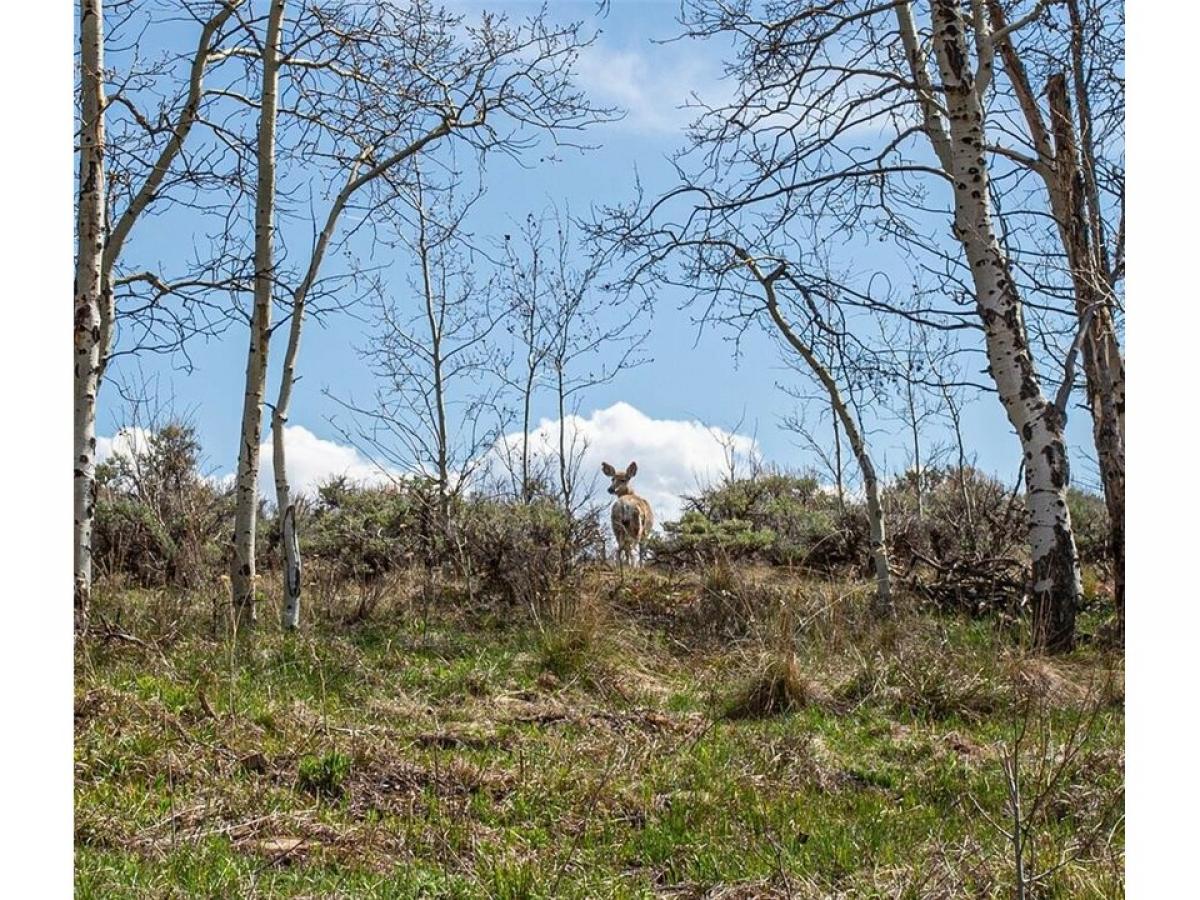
<point>968,549</point>
<point>1089,519</point>
<point>363,532</point>
<point>159,521</point>
<point>774,517</point>
<point>696,536</point>
<point>523,552</point>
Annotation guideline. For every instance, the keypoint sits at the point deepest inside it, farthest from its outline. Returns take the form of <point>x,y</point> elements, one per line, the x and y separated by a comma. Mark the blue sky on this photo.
<point>692,376</point>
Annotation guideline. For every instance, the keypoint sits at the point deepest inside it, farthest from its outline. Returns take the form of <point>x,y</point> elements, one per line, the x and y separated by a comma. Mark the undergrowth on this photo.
<point>630,745</point>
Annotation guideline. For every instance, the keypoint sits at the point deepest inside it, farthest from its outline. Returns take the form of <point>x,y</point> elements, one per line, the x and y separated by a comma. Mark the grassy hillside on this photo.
<point>737,732</point>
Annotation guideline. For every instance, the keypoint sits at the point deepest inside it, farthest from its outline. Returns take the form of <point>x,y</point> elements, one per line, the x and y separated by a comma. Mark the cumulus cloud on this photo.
<point>311,461</point>
<point>127,442</point>
<point>674,456</point>
<point>654,90</point>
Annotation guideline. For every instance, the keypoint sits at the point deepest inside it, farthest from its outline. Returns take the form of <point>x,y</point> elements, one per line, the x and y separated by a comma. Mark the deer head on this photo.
<point>620,480</point>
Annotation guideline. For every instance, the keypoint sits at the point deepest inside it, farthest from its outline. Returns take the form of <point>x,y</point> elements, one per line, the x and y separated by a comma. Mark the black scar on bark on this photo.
<point>1054,461</point>
<point>1054,419</point>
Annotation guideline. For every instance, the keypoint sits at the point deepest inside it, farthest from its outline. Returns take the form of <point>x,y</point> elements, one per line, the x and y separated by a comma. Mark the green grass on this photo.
<point>456,755</point>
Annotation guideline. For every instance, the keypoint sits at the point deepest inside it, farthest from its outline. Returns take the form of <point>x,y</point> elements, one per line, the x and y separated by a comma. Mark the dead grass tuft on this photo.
<point>1043,680</point>
<point>776,688</point>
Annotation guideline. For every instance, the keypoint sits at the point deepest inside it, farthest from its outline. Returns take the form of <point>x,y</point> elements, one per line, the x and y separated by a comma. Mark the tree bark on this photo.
<point>837,457</point>
<point>1055,564</point>
<point>441,426</point>
<point>526,413</point>
<point>88,291</point>
<point>915,427</point>
<point>1067,168</point>
<point>564,464</point>
<point>245,516</point>
<point>1103,366</point>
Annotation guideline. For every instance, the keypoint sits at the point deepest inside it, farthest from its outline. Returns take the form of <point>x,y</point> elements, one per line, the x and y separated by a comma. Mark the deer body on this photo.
<point>632,517</point>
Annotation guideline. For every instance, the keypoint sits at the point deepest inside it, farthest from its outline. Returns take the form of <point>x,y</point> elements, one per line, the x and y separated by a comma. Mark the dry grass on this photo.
<point>777,687</point>
<point>428,749</point>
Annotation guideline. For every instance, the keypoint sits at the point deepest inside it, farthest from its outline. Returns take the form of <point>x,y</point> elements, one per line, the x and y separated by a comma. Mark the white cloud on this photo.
<point>311,461</point>
<point>654,89</point>
<point>127,442</point>
<point>674,456</point>
<point>664,87</point>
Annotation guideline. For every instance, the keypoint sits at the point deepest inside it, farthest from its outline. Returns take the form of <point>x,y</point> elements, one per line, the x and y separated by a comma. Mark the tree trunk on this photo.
<point>88,290</point>
<point>916,440</point>
<point>283,494</point>
<point>884,605</point>
<point>1103,366</point>
<point>1055,564</point>
<point>284,505</point>
<point>292,570</point>
<point>968,506</point>
<point>837,458</point>
<point>564,464</point>
<point>441,426</point>
<point>1068,184</point>
<point>245,517</point>
<point>879,553</point>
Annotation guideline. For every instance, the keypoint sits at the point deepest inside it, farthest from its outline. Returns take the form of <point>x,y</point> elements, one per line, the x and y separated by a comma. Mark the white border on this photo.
<point>1163,620</point>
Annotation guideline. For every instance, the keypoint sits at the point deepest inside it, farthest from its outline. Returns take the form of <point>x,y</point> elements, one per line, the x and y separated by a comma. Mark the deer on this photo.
<point>632,517</point>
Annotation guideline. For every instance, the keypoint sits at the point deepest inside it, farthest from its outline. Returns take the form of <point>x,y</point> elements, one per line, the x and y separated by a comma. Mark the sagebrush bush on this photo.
<point>523,552</point>
<point>962,546</point>
<point>1089,520</point>
<point>159,521</point>
<point>776,517</point>
<point>363,531</point>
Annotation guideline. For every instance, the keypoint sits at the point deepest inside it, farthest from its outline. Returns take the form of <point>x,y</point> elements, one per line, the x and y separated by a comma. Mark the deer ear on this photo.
<point>632,470</point>
<point>607,470</point>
